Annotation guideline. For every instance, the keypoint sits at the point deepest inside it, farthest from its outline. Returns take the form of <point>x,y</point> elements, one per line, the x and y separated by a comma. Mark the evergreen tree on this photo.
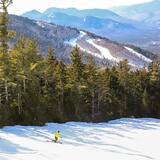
<point>154,88</point>
<point>75,78</point>
<point>35,89</point>
<point>60,88</point>
<point>146,102</point>
<point>25,62</point>
<point>4,33</point>
<point>123,71</point>
<point>4,56</point>
<point>91,84</point>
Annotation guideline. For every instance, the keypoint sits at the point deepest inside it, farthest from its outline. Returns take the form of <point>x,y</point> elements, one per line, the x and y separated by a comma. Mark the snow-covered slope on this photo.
<point>63,38</point>
<point>107,49</point>
<point>138,54</point>
<point>105,53</point>
<point>73,41</point>
<point>124,139</point>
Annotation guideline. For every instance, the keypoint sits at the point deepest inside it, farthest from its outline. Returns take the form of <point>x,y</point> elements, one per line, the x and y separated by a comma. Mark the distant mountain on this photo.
<point>143,33</point>
<point>63,39</point>
<point>149,15</point>
<point>100,13</point>
<point>108,24</point>
<point>102,22</point>
<point>52,15</point>
<point>140,12</point>
<point>90,23</point>
<point>34,14</point>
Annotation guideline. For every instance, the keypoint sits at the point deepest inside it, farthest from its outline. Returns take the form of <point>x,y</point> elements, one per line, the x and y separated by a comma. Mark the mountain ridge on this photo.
<point>64,38</point>
<point>113,27</point>
<point>139,11</point>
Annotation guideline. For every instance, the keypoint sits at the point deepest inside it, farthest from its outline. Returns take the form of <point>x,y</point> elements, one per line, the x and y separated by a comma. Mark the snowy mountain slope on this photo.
<point>140,27</point>
<point>107,49</point>
<point>104,51</point>
<point>124,139</point>
<point>73,41</point>
<point>138,54</point>
<point>62,39</point>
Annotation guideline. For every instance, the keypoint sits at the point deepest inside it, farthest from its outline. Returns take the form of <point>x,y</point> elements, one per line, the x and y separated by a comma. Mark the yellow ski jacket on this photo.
<point>57,134</point>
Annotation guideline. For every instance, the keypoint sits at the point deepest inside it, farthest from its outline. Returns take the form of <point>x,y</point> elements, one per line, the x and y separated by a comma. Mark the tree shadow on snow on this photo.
<point>7,147</point>
<point>79,134</point>
<point>35,133</point>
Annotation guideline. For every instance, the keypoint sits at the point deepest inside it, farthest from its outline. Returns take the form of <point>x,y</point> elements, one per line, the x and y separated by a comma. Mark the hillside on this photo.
<point>64,38</point>
<point>98,21</point>
<point>149,14</point>
<point>136,24</point>
<point>75,12</point>
<point>124,139</point>
<point>140,12</point>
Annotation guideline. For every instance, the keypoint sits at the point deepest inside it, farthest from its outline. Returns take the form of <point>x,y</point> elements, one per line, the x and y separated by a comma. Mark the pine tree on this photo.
<point>4,33</point>
<point>76,68</point>
<point>154,71</point>
<point>91,84</point>
<point>49,85</point>
<point>123,71</point>
<point>4,56</point>
<point>6,83</point>
<point>50,69</point>
<point>60,88</point>
<point>25,66</point>
<point>146,102</point>
<point>154,88</point>
<point>75,77</point>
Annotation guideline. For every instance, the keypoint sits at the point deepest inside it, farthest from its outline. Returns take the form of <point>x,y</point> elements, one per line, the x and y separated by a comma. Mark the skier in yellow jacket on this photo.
<point>57,136</point>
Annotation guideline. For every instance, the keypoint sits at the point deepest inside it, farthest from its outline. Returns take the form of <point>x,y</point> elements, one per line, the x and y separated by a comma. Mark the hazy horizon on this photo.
<point>18,7</point>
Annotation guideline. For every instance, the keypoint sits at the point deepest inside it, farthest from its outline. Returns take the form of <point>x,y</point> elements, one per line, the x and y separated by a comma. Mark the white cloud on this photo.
<point>21,6</point>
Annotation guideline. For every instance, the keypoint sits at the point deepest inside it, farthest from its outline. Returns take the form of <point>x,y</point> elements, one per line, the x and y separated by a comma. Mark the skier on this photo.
<point>57,136</point>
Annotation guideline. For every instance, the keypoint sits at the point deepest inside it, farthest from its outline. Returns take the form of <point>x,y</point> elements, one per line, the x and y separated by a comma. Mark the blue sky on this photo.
<point>21,6</point>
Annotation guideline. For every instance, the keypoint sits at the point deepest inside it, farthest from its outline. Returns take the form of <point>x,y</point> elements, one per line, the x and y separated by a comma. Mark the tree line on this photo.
<point>36,89</point>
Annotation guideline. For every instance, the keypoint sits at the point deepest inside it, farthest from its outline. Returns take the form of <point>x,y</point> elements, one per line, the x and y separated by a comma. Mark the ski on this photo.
<point>54,141</point>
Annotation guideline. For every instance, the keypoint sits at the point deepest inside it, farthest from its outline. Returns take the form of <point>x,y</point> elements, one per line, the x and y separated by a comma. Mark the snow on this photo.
<point>39,23</point>
<point>123,139</point>
<point>92,53</point>
<point>73,41</point>
<point>51,16</point>
<point>139,55</point>
<point>136,65</point>
<point>104,51</point>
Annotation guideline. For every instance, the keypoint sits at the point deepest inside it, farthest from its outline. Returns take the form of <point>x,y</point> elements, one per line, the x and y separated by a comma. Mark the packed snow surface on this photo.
<point>124,139</point>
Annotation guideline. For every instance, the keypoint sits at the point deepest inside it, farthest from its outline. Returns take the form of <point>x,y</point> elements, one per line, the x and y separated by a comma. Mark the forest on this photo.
<point>36,89</point>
